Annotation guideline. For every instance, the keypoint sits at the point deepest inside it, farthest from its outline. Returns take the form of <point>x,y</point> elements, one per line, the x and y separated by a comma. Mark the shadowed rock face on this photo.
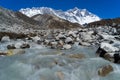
<point>101,52</point>
<point>50,21</point>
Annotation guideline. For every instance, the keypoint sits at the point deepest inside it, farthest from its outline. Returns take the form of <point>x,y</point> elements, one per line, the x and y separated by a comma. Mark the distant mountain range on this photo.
<point>28,20</point>
<point>75,15</point>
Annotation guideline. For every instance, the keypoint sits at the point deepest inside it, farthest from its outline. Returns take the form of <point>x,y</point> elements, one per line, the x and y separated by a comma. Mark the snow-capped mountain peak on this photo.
<point>74,15</point>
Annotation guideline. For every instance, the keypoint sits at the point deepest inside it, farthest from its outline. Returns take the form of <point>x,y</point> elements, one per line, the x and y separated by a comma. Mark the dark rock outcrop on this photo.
<point>11,46</point>
<point>101,52</point>
<point>23,46</point>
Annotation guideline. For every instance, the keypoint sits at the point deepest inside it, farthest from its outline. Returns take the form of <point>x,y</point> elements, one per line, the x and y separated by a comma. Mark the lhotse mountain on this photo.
<point>81,16</point>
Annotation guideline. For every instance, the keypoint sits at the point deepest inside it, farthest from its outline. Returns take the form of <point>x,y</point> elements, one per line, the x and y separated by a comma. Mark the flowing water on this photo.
<point>50,64</point>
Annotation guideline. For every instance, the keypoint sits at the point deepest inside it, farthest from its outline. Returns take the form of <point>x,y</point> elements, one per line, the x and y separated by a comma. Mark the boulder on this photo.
<point>61,36</point>
<point>77,39</point>
<point>108,47</point>
<point>78,56</point>
<point>5,39</point>
<point>112,57</point>
<point>69,40</point>
<point>12,46</point>
<point>60,75</point>
<point>61,42</point>
<point>29,38</point>
<point>2,53</point>
<point>85,36</point>
<point>18,44</point>
<point>25,45</point>
<point>109,57</point>
<point>114,31</point>
<point>105,70</point>
<point>46,42</point>
<point>19,51</point>
<point>36,38</point>
<point>15,51</point>
<point>116,58</point>
<point>101,52</point>
<point>67,46</point>
<point>84,43</point>
<point>114,24</point>
<point>53,45</point>
<point>39,41</point>
<point>72,33</point>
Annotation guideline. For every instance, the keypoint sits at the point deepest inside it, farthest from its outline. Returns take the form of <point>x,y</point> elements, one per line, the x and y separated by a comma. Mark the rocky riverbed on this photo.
<point>82,54</point>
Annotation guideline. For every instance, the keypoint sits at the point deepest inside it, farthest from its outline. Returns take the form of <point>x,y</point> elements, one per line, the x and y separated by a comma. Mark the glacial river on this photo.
<point>49,64</point>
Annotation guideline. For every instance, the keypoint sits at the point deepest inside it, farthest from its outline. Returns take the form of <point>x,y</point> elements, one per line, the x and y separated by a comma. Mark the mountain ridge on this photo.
<point>51,21</point>
<point>114,22</point>
<point>74,15</point>
<point>11,21</point>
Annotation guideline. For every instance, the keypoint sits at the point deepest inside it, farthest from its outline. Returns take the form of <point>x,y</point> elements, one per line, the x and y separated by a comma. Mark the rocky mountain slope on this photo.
<point>17,22</point>
<point>11,22</point>
<point>106,22</point>
<point>75,15</point>
<point>50,21</point>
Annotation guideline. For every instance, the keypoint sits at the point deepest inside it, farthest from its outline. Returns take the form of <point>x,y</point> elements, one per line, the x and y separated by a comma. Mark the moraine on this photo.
<point>49,58</point>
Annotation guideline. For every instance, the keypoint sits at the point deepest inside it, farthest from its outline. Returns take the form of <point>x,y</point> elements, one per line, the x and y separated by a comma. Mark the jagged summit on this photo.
<point>74,15</point>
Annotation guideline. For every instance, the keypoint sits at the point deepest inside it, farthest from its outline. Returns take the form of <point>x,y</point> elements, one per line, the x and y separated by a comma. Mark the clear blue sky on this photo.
<point>102,8</point>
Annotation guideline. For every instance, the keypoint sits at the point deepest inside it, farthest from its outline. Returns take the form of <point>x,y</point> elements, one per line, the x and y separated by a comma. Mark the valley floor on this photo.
<point>62,55</point>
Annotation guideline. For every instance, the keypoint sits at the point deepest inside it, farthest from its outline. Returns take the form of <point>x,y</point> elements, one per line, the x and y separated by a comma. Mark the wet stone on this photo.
<point>11,46</point>
<point>78,56</point>
<point>105,70</point>
<point>23,46</point>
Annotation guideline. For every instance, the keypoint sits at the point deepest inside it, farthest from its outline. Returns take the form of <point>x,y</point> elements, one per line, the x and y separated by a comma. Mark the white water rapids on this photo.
<point>49,64</point>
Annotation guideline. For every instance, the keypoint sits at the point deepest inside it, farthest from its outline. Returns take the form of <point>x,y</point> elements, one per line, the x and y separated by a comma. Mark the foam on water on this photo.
<point>46,64</point>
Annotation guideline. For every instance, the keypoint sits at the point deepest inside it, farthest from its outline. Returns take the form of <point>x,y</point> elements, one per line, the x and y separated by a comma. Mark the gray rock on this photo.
<point>69,40</point>
<point>67,46</point>
<point>5,39</point>
<point>12,46</point>
<point>25,45</point>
